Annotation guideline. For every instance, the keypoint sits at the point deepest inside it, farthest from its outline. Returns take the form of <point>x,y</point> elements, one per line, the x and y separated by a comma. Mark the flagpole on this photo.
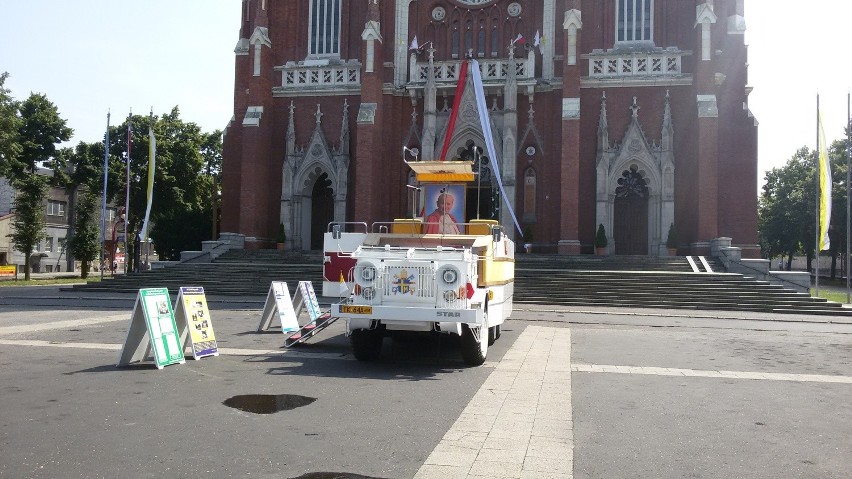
<point>127,194</point>
<point>816,206</point>
<point>103,206</point>
<point>848,179</point>
<point>151,174</point>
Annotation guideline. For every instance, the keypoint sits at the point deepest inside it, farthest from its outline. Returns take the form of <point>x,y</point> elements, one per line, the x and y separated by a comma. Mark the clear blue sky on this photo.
<point>94,56</point>
<point>90,56</point>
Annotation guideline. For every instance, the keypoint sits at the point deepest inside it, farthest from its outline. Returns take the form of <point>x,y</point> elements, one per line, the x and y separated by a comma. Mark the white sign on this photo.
<point>280,304</point>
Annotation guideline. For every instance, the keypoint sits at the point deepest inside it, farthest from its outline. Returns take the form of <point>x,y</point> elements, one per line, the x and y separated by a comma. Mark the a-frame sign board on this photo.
<point>194,323</point>
<point>306,299</point>
<point>280,305</point>
<point>152,327</point>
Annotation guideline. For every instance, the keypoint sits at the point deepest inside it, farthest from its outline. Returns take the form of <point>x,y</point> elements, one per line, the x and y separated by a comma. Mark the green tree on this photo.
<point>40,129</point>
<point>187,162</point>
<point>28,224</point>
<point>82,177</point>
<point>85,244</point>
<point>211,151</point>
<point>787,207</point>
<point>10,123</point>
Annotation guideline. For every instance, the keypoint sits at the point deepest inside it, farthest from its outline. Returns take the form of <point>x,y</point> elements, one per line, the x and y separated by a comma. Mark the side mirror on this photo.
<point>335,232</point>
<point>496,234</point>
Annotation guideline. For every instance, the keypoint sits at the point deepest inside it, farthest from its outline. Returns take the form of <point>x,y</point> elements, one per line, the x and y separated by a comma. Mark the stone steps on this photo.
<point>622,281</point>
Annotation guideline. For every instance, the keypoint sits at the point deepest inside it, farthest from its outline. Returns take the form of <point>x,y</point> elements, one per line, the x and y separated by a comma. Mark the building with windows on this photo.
<point>50,254</point>
<point>632,114</point>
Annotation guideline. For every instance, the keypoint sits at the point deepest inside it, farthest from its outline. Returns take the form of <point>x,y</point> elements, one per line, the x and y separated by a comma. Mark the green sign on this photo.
<point>161,326</point>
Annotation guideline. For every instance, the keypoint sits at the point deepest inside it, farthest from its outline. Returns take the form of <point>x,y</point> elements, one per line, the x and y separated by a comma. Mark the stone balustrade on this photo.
<point>308,78</point>
<point>492,70</point>
<point>615,64</point>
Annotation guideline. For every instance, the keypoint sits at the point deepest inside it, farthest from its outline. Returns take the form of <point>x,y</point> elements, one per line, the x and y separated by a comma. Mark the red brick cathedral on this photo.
<point>632,114</point>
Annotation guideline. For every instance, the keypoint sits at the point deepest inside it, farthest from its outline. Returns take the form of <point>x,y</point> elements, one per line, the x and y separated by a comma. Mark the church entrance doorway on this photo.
<point>322,210</point>
<point>630,222</point>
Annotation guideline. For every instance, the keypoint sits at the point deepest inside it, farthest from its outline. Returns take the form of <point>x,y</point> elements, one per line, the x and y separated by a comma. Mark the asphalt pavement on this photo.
<point>565,392</point>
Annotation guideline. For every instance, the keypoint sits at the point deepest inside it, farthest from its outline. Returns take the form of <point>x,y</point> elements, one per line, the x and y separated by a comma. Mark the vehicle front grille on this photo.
<point>406,282</point>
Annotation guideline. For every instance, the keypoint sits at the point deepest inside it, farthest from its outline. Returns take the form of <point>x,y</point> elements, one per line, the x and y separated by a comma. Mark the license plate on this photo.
<point>350,309</point>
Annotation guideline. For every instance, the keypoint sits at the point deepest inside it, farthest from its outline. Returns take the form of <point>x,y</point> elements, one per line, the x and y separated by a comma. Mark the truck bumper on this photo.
<point>397,317</point>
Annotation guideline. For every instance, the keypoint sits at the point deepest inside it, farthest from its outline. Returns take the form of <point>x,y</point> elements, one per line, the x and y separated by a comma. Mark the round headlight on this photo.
<point>368,272</point>
<point>369,293</point>
<point>450,296</point>
<point>449,276</point>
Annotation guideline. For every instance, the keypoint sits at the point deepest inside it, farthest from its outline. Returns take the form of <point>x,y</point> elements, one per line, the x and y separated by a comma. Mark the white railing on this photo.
<point>300,77</point>
<point>636,64</point>
<point>492,70</point>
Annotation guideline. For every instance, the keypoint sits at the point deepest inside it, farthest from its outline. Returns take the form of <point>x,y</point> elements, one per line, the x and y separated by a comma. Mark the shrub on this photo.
<point>671,241</point>
<point>600,237</point>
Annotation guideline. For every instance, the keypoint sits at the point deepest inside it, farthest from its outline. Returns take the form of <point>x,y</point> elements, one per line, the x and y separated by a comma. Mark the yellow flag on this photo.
<point>824,189</point>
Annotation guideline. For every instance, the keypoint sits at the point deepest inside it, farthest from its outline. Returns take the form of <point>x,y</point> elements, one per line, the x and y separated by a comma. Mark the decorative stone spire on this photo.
<point>603,127</point>
<point>635,109</point>
<point>668,129</point>
<point>291,131</point>
<point>344,128</point>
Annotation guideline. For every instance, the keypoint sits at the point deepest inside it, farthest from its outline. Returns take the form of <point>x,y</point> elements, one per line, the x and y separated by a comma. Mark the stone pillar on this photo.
<point>569,226</point>
<point>367,202</point>
<point>707,154</point>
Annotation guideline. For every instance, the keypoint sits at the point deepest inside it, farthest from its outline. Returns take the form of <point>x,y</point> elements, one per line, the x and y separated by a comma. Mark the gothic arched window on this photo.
<point>455,41</point>
<point>495,41</point>
<point>468,37</point>
<point>634,21</point>
<point>632,184</point>
<point>324,34</point>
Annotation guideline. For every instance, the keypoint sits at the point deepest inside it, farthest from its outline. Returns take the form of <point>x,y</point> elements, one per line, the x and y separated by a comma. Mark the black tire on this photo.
<point>497,331</point>
<point>473,351</point>
<point>366,344</point>
<point>492,335</point>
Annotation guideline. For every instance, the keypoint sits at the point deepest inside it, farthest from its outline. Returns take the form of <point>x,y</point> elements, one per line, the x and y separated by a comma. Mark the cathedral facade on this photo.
<point>631,114</point>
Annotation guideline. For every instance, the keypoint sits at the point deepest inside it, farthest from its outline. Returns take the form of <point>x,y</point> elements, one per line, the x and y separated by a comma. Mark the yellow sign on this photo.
<point>9,270</point>
<point>197,316</point>
<point>350,309</point>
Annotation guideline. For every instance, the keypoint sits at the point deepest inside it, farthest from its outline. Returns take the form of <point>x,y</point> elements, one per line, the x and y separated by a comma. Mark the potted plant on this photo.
<point>600,240</point>
<point>671,241</point>
<point>528,239</point>
<point>281,237</point>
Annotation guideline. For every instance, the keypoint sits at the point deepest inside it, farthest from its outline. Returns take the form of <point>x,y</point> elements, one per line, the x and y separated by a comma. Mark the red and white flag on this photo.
<point>519,40</point>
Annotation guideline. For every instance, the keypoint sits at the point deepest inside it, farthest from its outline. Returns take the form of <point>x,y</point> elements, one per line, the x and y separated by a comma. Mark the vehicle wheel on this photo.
<point>474,345</point>
<point>493,334</point>
<point>366,344</point>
